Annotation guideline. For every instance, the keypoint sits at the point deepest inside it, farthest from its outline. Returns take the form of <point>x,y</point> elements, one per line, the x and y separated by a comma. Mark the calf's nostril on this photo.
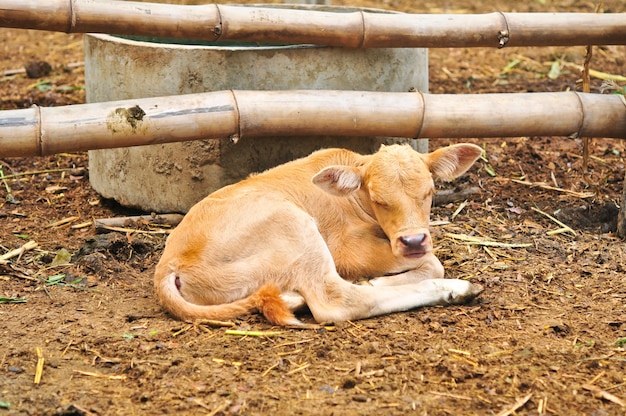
<point>413,241</point>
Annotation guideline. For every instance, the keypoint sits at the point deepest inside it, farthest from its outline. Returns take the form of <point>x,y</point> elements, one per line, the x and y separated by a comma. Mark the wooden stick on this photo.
<point>114,224</point>
<point>215,324</point>
<point>349,28</point>
<point>595,73</point>
<point>458,210</point>
<point>133,230</point>
<point>63,221</point>
<point>446,196</point>
<point>563,226</point>
<point>82,225</point>
<point>454,396</point>
<point>39,366</point>
<point>602,394</point>
<point>36,172</point>
<point>98,375</point>
<point>298,369</point>
<point>587,88</point>
<point>552,188</point>
<point>482,242</point>
<point>82,410</point>
<point>18,252</point>
<point>252,333</point>
<point>39,131</point>
<point>517,405</point>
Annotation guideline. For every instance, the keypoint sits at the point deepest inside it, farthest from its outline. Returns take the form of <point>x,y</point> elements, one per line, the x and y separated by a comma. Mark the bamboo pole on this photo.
<point>39,131</point>
<point>360,29</point>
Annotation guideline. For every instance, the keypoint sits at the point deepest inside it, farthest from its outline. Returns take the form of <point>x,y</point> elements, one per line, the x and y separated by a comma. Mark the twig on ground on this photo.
<point>542,407</point>
<point>564,228</point>
<point>135,230</point>
<point>4,259</point>
<point>517,405</point>
<point>218,409</point>
<point>482,242</point>
<point>39,366</point>
<point>447,196</point>
<point>273,366</point>
<point>298,369</point>
<point>215,324</point>
<point>542,185</point>
<point>81,225</point>
<point>461,352</point>
<point>596,74</point>
<point>183,330</point>
<point>437,223</point>
<point>98,375</point>
<point>223,361</point>
<point>598,393</point>
<point>63,221</point>
<point>287,344</point>
<point>9,197</point>
<point>37,172</point>
<point>110,224</point>
<point>554,181</point>
<point>596,378</point>
<point>454,396</point>
<point>592,72</point>
<point>458,210</point>
<point>80,410</point>
<point>252,333</point>
<point>18,71</point>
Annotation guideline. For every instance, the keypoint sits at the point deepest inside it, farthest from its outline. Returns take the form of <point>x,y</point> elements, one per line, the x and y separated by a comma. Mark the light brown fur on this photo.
<point>303,232</point>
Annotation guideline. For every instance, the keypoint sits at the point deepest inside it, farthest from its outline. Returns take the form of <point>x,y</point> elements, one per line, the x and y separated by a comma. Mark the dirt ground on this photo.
<point>547,336</point>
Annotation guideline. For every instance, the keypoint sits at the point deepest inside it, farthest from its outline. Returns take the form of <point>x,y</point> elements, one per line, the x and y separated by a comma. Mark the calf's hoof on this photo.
<point>469,292</point>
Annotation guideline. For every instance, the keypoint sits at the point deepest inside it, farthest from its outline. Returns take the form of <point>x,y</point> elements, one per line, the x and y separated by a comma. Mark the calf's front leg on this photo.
<point>429,267</point>
<point>333,299</point>
<point>311,273</point>
<point>348,301</point>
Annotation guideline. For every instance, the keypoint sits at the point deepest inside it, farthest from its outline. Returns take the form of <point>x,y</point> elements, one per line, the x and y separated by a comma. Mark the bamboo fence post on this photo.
<point>41,131</point>
<point>359,29</point>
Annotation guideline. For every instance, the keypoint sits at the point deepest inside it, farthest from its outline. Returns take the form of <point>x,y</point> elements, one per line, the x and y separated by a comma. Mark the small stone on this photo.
<point>359,398</point>
<point>37,69</point>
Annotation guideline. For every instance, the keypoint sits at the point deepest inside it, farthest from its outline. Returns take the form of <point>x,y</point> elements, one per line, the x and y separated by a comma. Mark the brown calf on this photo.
<point>303,232</point>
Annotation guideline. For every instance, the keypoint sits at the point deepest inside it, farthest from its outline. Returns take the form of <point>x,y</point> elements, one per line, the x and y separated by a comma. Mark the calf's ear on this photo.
<point>338,180</point>
<point>452,161</point>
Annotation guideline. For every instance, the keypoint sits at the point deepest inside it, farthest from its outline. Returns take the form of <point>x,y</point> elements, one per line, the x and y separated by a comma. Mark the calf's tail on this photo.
<point>266,300</point>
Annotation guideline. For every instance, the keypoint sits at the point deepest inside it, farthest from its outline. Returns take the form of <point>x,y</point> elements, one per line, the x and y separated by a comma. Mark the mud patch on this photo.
<point>121,119</point>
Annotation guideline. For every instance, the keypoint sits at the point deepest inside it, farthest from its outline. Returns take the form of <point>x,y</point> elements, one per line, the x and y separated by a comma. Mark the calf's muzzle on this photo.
<point>414,245</point>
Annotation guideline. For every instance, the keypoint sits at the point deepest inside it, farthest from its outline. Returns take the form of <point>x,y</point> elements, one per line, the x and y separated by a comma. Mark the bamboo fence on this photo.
<point>38,131</point>
<point>357,29</point>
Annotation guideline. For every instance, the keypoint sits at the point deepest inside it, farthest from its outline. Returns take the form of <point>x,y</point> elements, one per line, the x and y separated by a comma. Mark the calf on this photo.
<point>304,232</point>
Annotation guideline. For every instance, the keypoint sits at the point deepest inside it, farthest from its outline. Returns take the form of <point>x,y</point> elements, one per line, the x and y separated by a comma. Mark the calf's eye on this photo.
<point>380,204</point>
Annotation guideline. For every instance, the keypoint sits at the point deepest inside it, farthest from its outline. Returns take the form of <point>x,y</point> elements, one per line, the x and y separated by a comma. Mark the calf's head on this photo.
<point>395,186</point>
